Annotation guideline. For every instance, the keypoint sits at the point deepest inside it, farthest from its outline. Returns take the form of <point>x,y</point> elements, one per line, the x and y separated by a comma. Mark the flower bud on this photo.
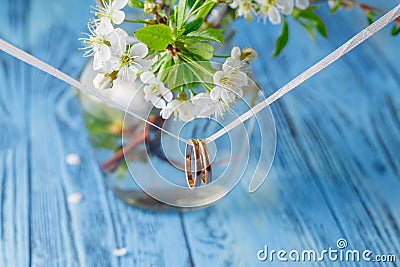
<point>235,52</point>
<point>102,81</point>
<point>248,53</point>
<point>149,7</point>
<point>181,96</point>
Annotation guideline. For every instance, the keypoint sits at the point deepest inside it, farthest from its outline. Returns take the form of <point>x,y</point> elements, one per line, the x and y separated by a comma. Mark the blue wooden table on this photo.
<point>336,172</point>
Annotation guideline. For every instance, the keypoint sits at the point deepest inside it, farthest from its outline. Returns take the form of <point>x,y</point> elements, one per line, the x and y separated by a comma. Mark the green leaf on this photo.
<point>194,25</point>
<point>371,16</point>
<point>174,79</point>
<point>210,34</point>
<point>282,40</point>
<point>191,2</point>
<point>321,28</point>
<point>205,9</point>
<point>203,50</point>
<point>178,75</point>
<point>297,12</point>
<point>395,30</point>
<point>316,21</point>
<point>165,68</point>
<point>182,4</point>
<point>136,3</point>
<point>160,60</point>
<point>187,74</point>
<point>336,6</point>
<point>308,28</point>
<point>156,37</point>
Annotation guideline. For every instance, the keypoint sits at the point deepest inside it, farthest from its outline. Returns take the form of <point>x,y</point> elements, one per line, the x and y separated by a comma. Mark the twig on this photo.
<point>139,136</point>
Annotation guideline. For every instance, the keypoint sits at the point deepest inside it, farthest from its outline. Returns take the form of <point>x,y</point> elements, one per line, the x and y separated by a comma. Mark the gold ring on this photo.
<point>198,169</point>
<point>206,163</point>
<point>188,165</point>
<point>202,163</point>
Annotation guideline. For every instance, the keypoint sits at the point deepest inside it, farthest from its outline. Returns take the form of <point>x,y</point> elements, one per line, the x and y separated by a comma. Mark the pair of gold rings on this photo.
<point>202,164</point>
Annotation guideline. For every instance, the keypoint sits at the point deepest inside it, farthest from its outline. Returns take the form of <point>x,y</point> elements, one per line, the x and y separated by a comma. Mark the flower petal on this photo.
<point>302,4</point>
<point>139,50</point>
<point>165,92</point>
<point>117,16</point>
<point>119,4</point>
<point>217,77</point>
<point>97,63</point>
<point>274,15</point>
<point>143,64</point>
<point>235,53</point>
<point>234,4</point>
<point>285,6</point>
<point>231,64</point>
<point>186,111</point>
<point>167,111</point>
<point>118,39</point>
<point>103,52</point>
<point>111,65</point>
<point>104,27</point>
<point>159,102</point>
<point>215,93</point>
<point>147,77</point>
<point>102,82</point>
<point>239,79</point>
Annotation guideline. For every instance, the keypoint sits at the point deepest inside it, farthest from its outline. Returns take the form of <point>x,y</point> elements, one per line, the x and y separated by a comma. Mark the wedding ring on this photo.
<point>198,168</point>
<point>188,165</point>
<point>206,163</point>
<point>202,163</point>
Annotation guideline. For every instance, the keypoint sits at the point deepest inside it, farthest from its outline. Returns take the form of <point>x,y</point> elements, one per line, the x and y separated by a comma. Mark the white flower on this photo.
<point>102,42</point>
<point>286,6</point>
<point>103,26</point>
<point>303,4</point>
<point>231,75</point>
<point>112,11</point>
<point>102,54</point>
<point>244,8</point>
<point>118,39</point>
<point>272,9</point>
<point>183,109</point>
<point>96,45</point>
<point>205,106</point>
<point>131,62</point>
<point>226,95</point>
<point>230,80</point>
<point>102,81</point>
<point>249,54</point>
<point>155,91</point>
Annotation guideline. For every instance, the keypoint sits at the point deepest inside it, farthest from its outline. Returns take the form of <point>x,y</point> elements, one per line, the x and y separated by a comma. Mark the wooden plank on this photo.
<point>38,226</point>
<point>335,173</point>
